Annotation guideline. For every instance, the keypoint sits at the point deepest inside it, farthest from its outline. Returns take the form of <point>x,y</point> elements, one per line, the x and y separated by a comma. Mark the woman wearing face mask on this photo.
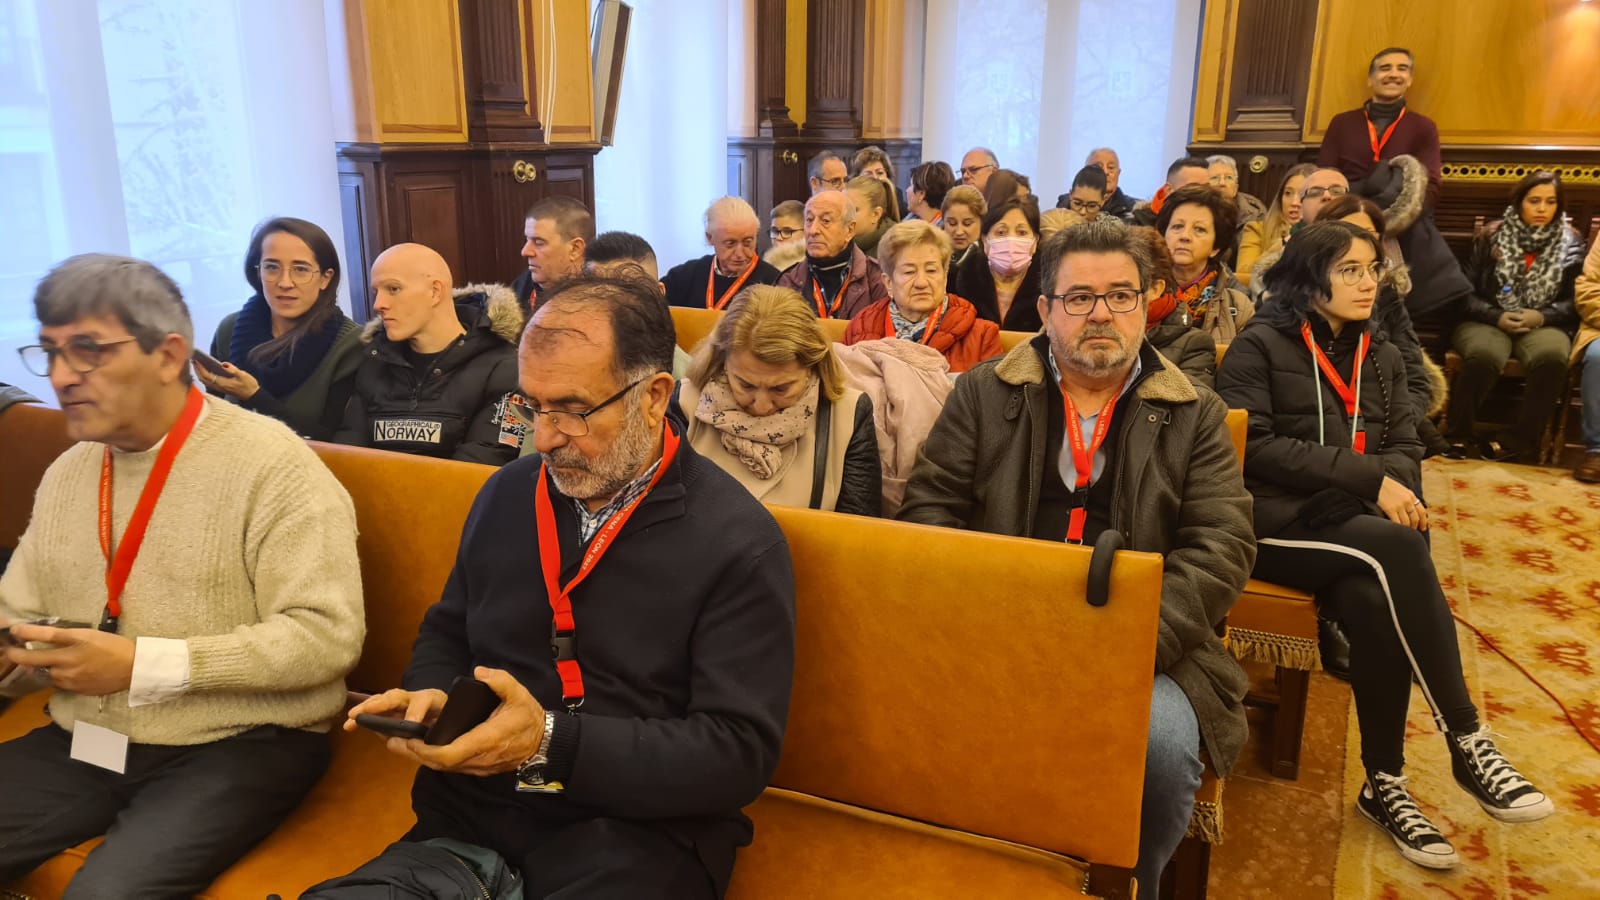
<point>915,257</point>
<point>769,403</point>
<point>961,217</point>
<point>1198,224</point>
<point>999,278</point>
<point>1523,269</point>
<point>1270,231</point>
<point>291,353</point>
<point>1333,465</point>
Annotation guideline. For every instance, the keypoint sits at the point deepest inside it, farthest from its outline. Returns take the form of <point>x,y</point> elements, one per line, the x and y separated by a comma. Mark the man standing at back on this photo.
<point>618,768</point>
<point>1383,127</point>
<point>555,234</point>
<point>711,281</point>
<point>1087,428</point>
<point>437,376</point>
<point>837,279</point>
<point>217,556</point>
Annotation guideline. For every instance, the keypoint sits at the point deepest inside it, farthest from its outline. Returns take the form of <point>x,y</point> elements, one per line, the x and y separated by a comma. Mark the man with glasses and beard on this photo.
<point>1087,428</point>
<point>632,606</point>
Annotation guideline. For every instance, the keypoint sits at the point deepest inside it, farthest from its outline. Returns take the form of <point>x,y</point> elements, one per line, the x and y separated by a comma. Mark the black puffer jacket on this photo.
<point>1193,351</point>
<point>1269,372</point>
<point>1399,186</point>
<point>455,409</point>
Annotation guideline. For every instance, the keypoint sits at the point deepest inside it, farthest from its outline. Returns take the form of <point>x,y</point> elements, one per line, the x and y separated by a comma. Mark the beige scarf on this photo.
<point>758,441</point>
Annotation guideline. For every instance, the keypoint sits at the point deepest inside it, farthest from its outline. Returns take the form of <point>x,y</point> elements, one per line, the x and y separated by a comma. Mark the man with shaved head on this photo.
<point>625,747</point>
<point>437,376</point>
<point>837,279</point>
<point>711,281</point>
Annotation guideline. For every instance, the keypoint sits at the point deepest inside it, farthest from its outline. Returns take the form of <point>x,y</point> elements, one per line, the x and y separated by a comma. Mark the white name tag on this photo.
<point>100,747</point>
<point>412,431</point>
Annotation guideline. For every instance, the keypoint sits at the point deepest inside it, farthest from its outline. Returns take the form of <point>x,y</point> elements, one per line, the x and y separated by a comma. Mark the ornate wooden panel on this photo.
<point>500,105</point>
<point>1271,69</point>
<point>835,35</point>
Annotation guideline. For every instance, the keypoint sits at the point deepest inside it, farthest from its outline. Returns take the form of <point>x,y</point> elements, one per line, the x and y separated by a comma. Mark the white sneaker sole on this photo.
<point>1530,813</point>
<point>1419,857</point>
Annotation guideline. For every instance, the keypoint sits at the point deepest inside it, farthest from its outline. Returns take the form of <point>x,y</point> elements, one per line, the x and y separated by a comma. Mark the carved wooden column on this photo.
<point>1271,69</point>
<point>772,108</point>
<point>835,31</point>
<point>492,61</point>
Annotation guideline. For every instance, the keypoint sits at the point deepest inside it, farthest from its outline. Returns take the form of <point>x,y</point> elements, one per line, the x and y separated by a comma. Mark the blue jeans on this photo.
<point>1590,390</point>
<point>1171,776</point>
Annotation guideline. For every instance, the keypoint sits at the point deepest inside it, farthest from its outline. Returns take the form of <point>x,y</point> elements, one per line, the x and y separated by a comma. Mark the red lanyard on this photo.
<point>937,218</point>
<point>927,332</point>
<point>1372,132</point>
<point>1358,441</point>
<point>1083,459</point>
<point>711,281</point>
<point>563,626</point>
<point>119,567</point>
<point>824,311</point>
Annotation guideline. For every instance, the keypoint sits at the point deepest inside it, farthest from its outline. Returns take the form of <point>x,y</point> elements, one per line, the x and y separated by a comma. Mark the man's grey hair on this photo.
<point>849,208</point>
<point>993,160</point>
<point>1100,150</point>
<point>1225,160</point>
<point>731,209</point>
<point>141,297</point>
<point>1101,235</point>
<point>814,167</point>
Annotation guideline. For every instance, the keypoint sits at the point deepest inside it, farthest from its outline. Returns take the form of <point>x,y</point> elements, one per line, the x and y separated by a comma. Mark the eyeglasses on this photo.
<point>1224,178</point>
<point>1085,207</point>
<point>571,424</point>
<point>783,234</point>
<point>968,171</point>
<point>82,355</point>
<point>299,273</point>
<point>1083,303</point>
<point>1351,273</point>
<point>1332,190</point>
<point>835,183</point>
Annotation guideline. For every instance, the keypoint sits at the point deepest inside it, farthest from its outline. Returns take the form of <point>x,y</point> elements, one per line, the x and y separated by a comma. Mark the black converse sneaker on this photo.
<point>1497,786</point>
<point>1386,803</point>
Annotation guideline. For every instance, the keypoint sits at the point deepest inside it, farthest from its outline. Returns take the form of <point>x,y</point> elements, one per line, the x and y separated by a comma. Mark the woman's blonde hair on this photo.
<point>877,194</point>
<point>1053,220</point>
<point>1275,224</point>
<point>968,196</point>
<point>908,234</point>
<point>774,325</point>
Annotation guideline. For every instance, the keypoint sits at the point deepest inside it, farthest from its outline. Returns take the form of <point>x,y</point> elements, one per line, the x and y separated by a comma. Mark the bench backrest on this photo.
<point>1239,431</point>
<point>32,437</point>
<point>693,325</point>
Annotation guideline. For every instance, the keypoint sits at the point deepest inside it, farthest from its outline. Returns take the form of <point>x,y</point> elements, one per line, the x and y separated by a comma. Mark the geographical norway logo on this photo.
<point>411,431</point>
<point>512,432</point>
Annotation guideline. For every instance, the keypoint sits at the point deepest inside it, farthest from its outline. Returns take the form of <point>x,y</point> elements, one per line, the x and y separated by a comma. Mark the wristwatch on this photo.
<point>530,775</point>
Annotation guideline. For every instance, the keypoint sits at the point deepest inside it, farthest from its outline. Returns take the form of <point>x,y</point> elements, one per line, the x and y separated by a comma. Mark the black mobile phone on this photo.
<point>469,703</point>
<point>209,363</point>
<point>391,726</point>
<point>50,621</point>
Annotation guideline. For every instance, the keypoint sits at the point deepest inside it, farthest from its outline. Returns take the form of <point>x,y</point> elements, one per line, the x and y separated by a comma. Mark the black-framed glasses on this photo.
<point>1086,207</point>
<point>1082,303</point>
<point>81,354</point>
<point>1331,191</point>
<point>969,171</point>
<point>783,234</point>
<point>1351,273</point>
<point>299,273</point>
<point>571,424</point>
<point>835,183</point>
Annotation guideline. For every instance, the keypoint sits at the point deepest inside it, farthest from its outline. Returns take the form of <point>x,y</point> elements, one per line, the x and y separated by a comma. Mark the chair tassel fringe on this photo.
<point>1273,649</point>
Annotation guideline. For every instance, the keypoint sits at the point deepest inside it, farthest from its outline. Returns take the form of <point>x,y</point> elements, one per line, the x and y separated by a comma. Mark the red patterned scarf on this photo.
<point>1197,294</point>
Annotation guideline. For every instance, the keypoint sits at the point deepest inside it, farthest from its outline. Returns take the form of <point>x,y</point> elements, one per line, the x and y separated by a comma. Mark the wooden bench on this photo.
<point>940,741</point>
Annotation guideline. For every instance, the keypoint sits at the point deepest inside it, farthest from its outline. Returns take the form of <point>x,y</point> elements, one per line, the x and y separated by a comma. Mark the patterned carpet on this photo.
<point>1518,553</point>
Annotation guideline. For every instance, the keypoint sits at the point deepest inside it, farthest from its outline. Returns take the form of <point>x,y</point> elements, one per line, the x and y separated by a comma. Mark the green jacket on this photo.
<point>316,408</point>
<point>1180,493</point>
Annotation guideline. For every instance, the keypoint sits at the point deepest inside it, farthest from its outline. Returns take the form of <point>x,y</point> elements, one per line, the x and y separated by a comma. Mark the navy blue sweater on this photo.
<point>685,635</point>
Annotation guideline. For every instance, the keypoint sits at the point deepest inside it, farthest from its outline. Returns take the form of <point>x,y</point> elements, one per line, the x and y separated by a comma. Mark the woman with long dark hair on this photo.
<point>1523,269</point>
<point>1333,462</point>
<point>290,353</point>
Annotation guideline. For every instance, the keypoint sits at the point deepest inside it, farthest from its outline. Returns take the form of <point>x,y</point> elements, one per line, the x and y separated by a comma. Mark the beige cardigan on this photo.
<point>791,486</point>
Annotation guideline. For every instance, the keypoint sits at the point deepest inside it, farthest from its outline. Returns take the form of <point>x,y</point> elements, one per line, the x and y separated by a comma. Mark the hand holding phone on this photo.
<point>8,640</point>
<point>391,726</point>
<point>210,363</point>
<point>467,705</point>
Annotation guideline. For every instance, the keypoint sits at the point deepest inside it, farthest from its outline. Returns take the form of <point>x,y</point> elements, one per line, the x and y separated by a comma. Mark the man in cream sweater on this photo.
<point>216,555</point>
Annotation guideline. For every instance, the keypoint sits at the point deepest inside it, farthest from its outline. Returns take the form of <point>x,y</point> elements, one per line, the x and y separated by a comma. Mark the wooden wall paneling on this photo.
<point>361,215</point>
<point>772,106</point>
<point>495,46</point>
<point>835,32</point>
<point>418,88</point>
<point>427,205</point>
<point>1492,72</point>
<point>1271,68</point>
<point>795,60</point>
<point>564,83</point>
<point>1215,72</point>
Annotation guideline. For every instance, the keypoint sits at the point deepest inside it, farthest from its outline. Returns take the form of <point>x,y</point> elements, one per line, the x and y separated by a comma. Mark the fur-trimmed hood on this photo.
<point>1024,364</point>
<point>496,302</point>
<point>1399,186</point>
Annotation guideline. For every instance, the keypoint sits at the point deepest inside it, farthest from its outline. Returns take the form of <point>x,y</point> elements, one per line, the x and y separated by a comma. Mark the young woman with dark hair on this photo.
<point>1523,268</point>
<point>290,353</point>
<point>1333,464</point>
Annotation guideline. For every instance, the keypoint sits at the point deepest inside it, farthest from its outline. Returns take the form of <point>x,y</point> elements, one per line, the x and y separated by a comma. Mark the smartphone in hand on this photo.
<point>391,726</point>
<point>209,363</point>
<point>468,704</point>
<point>6,640</point>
